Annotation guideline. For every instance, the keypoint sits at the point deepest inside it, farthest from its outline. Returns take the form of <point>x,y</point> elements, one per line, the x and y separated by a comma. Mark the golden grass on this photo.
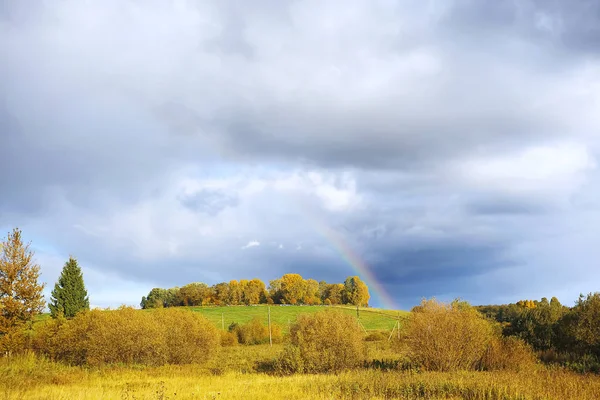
<point>233,377</point>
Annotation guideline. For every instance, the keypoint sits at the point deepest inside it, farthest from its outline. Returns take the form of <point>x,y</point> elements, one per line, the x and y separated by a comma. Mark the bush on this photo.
<point>189,337</point>
<point>228,338</point>
<point>376,336</point>
<point>447,337</point>
<point>14,341</point>
<point>63,340</point>
<point>327,341</point>
<point>128,336</point>
<point>255,332</point>
<point>508,353</point>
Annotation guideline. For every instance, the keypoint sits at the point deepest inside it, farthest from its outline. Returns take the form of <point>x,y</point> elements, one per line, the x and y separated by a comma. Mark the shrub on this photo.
<point>508,353</point>
<point>166,336</point>
<point>61,341</point>
<point>228,338</point>
<point>276,333</point>
<point>327,341</point>
<point>447,337</point>
<point>189,337</point>
<point>255,332</point>
<point>376,336</point>
<point>13,341</point>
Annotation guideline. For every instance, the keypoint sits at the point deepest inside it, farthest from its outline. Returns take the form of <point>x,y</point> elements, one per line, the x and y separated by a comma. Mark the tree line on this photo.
<point>289,289</point>
<point>560,333</point>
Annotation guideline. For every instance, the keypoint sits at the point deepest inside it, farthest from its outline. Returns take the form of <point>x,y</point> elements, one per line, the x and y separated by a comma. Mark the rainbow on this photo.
<point>361,268</point>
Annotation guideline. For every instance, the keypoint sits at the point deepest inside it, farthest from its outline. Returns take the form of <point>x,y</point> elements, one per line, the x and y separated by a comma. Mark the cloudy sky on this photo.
<point>452,145</point>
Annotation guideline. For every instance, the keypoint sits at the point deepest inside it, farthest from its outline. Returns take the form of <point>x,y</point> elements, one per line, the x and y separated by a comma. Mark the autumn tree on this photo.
<point>194,294</point>
<point>275,290</point>
<point>253,291</point>
<point>69,295</point>
<point>21,295</point>
<point>221,293</point>
<point>355,292</point>
<point>323,286</point>
<point>235,293</point>
<point>335,293</point>
<point>312,292</point>
<point>293,288</point>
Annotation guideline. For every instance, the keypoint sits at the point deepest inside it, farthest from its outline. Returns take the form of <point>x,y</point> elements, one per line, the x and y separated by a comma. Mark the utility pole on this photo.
<point>398,333</point>
<point>270,335</point>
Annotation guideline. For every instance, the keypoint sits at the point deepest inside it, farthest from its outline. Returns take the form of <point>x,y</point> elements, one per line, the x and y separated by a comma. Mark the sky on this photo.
<point>451,147</point>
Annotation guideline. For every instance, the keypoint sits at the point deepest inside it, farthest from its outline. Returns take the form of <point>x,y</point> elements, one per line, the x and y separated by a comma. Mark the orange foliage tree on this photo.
<point>21,295</point>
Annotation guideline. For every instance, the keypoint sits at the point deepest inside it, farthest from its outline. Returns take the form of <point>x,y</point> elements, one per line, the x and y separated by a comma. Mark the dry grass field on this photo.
<point>236,373</point>
<point>384,370</point>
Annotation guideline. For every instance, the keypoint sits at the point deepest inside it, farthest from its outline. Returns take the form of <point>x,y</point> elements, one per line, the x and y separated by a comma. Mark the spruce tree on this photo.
<point>69,295</point>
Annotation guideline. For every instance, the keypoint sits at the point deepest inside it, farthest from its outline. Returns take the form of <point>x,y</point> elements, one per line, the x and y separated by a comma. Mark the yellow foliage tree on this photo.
<point>356,292</point>
<point>293,288</point>
<point>21,295</point>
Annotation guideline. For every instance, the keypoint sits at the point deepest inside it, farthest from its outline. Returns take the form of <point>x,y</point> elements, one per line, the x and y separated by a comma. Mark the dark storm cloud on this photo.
<point>441,263</point>
<point>507,206</point>
<point>572,26</point>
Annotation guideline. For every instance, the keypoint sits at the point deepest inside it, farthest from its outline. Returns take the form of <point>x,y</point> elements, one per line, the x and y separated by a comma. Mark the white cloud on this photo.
<point>543,169</point>
<point>252,243</point>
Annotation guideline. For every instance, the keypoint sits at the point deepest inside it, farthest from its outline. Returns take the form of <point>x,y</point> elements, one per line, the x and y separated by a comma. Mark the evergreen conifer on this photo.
<point>69,295</point>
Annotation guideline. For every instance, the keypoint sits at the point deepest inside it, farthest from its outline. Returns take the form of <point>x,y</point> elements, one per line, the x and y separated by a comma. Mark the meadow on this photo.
<point>236,373</point>
<point>249,371</point>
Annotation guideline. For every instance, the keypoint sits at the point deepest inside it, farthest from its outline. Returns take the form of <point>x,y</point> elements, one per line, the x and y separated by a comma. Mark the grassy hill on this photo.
<point>370,318</point>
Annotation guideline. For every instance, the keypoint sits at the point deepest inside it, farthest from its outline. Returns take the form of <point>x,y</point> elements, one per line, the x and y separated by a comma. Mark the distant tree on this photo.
<point>355,292</point>
<point>254,291</point>
<point>235,293</point>
<point>159,298</point>
<point>221,293</point>
<point>526,303</point>
<point>312,292</point>
<point>293,288</point>
<point>69,295</point>
<point>586,322</point>
<point>335,293</point>
<point>323,287</point>
<point>275,291</point>
<point>194,294</point>
<point>21,295</point>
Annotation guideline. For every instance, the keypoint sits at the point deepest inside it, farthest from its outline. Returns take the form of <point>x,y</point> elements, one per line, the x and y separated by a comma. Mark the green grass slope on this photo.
<point>370,318</point>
